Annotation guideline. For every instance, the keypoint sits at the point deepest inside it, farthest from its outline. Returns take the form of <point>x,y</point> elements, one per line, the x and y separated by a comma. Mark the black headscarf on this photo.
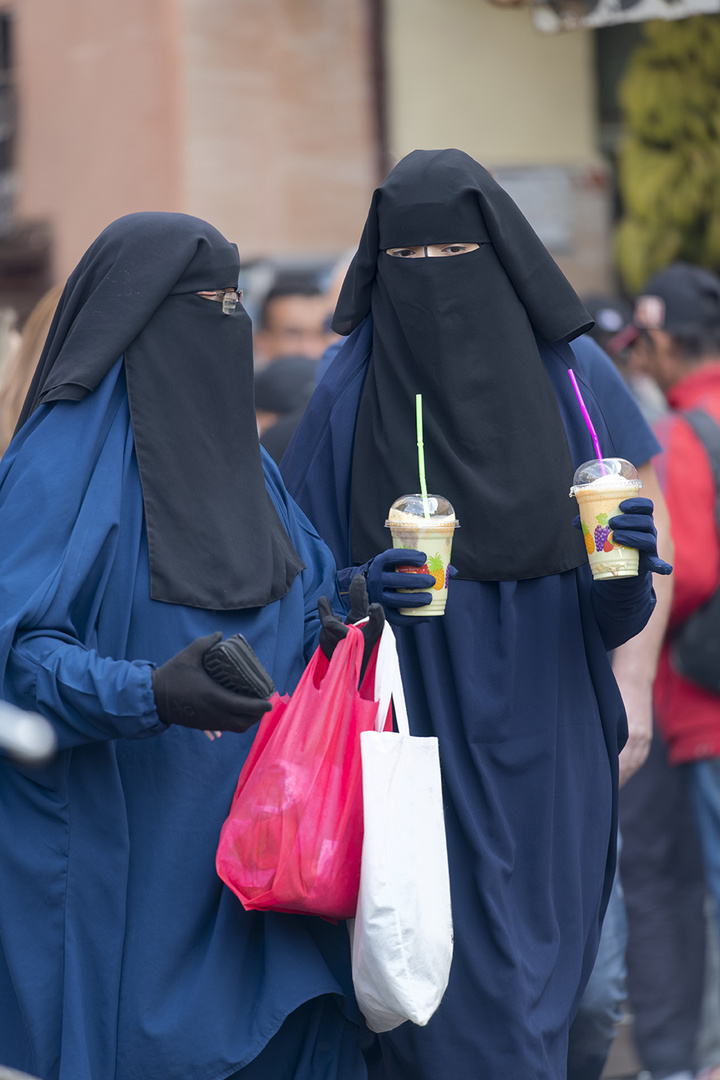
<point>460,331</point>
<point>215,539</point>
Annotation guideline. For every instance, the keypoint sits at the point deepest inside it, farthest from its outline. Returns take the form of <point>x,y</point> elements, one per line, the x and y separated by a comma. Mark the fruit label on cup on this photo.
<point>434,566</point>
<point>601,538</point>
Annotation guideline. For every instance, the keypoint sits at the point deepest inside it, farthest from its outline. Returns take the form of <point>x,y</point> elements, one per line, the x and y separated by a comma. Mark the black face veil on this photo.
<point>215,539</point>
<point>461,331</point>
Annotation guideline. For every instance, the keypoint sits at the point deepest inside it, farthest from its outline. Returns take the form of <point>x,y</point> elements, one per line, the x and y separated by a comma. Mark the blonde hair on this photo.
<point>19,368</point>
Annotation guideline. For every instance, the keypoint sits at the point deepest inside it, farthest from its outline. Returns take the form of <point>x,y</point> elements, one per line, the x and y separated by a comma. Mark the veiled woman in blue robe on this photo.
<point>514,680</point>
<point>136,515</point>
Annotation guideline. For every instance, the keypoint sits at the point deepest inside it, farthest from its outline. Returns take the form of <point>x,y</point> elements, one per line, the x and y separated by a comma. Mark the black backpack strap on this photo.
<point>696,644</point>
<point>708,432</point>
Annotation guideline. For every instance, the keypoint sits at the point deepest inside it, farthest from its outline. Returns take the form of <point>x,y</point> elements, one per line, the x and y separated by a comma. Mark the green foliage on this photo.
<point>669,161</point>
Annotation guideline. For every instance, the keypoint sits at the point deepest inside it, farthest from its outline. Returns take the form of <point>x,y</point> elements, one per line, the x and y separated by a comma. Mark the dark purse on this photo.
<point>695,647</point>
<point>234,665</point>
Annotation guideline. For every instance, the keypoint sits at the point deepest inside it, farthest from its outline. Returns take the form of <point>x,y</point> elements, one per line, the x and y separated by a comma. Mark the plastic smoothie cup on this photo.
<point>600,486</point>
<point>433,534</point>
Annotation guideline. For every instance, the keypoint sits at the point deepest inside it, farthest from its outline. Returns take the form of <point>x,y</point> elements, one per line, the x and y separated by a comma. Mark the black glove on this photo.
<point>186,695</point>
<point>334,629</point>
<point>635,528</point>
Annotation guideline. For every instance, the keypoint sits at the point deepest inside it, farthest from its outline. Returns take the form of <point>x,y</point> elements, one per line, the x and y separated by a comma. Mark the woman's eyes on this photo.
<point>419,251</point>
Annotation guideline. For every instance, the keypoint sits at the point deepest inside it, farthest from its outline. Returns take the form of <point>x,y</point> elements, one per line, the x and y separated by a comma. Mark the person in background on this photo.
<point>452,296</point>
<point>614,331</point>
<point>18,371</point>
<point>678,344</point>
<point>613,315</point>
<point>293,321</point>
<point>140,522</point>
<point>634,665</point>
<point>9,336</point>
<point>332,293</point>
<point>282,390</point>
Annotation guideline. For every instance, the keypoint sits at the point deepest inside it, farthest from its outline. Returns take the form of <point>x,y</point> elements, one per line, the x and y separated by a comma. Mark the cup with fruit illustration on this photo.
<point>425,523</point>
<point>600,486</point>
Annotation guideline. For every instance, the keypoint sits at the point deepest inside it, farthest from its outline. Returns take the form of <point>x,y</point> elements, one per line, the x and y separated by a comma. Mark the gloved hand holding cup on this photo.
<point>599,486</point>
<point>425,523</point>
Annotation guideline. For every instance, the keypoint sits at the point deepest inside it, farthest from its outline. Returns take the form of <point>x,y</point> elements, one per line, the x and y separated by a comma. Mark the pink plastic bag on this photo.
<point>293,838</point>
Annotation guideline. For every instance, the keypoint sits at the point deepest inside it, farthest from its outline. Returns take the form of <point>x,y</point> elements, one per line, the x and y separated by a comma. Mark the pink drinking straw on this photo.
<point>586,414</point>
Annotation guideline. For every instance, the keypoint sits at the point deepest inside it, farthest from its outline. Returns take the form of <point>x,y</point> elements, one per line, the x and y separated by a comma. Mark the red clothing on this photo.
<point>689,717</point>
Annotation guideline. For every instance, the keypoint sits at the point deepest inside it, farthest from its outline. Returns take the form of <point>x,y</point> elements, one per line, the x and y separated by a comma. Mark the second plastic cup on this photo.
<point>433,534</point>
<point>600,486</point>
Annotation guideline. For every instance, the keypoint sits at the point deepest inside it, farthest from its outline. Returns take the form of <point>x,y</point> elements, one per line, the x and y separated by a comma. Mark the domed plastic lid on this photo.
<point>412,510</point>
<point>602,472</point>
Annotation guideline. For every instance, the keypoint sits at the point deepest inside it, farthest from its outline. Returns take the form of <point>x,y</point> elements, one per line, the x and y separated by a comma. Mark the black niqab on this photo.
<point>215,539</point>
<point>460,331</point>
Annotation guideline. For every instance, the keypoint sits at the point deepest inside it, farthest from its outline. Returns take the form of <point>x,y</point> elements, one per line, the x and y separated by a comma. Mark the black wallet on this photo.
<point>234,665</point>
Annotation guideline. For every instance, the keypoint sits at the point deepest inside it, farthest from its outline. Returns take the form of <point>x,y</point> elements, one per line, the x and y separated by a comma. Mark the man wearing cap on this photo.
<point>677,320</point>
<point>614,331</point>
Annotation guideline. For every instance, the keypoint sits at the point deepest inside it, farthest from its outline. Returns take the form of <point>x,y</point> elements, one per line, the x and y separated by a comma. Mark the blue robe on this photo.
<point>516,683</point>
<point>122,955</point>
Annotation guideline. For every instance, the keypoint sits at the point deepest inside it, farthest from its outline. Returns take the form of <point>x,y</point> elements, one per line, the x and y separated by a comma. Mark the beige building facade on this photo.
<point>467,74</point>
<point>274,119</point>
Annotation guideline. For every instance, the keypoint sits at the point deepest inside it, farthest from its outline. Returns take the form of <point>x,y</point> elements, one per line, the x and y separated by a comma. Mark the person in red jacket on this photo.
<point>679,345</point>
<point>678,318</point>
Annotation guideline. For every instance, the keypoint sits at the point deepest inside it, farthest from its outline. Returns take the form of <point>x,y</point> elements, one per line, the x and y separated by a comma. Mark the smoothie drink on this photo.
<point>433,534</point>
<point>599,487</point>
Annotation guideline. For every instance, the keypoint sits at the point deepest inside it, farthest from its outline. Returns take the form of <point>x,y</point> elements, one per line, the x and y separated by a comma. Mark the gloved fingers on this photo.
<point>332,628</point>
<point>325,611</point>
<point>391,598</point>
<point>637,505</point>
<point>239,715</point>
<point>654,564</point>
<point>358,597</point>
<point>452,571</point>
<point>396,556</point>
<point>398,580</point>
<point>641,522</point>
<point>375,621</point>
<point>214,707</point>
<point>371,632</point>
<point>576,522</point>
<point>643,541</point>
<point>240,705</point>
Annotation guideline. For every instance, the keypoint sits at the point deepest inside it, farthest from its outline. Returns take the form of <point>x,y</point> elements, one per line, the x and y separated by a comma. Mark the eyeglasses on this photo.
<point>229,298</point>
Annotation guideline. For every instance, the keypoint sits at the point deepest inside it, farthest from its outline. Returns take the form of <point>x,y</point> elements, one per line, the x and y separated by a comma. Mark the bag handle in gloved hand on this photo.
<point>369,617</point>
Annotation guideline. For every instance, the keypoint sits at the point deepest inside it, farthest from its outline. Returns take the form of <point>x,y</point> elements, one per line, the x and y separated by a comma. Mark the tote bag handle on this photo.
<point>388,683</point>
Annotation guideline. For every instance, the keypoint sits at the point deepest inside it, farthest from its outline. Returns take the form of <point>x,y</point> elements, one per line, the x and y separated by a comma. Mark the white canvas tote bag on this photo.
<point>402,939</point>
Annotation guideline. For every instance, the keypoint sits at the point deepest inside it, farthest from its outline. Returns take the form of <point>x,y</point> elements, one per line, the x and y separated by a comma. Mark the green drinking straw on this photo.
<point>421,454</point>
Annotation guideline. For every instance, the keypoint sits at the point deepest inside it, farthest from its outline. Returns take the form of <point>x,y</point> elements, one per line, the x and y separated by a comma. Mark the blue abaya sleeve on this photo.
<point>61,497</point>
<point>88,697</point>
